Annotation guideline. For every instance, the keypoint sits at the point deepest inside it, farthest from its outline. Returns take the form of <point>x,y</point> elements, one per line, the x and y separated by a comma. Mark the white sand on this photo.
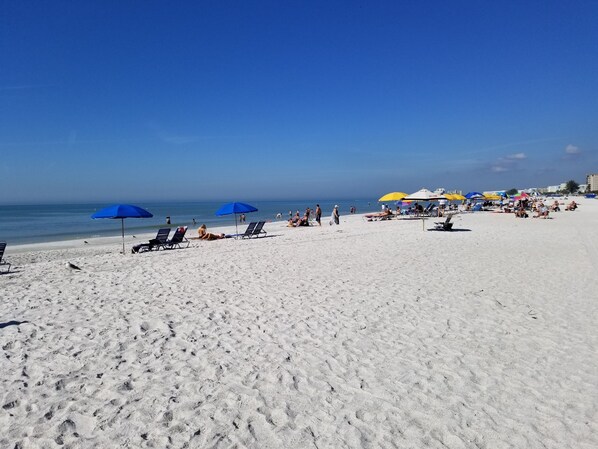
<point>368,334</point>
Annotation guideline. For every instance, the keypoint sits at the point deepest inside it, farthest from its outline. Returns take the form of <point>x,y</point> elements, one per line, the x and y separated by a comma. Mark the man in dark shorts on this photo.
<point>318,215</point>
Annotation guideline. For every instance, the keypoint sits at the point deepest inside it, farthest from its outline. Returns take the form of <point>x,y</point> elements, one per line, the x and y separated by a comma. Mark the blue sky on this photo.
<point>138,100</point>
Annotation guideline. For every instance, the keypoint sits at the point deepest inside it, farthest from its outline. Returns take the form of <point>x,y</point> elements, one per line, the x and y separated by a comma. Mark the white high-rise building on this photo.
<point>592,182</point>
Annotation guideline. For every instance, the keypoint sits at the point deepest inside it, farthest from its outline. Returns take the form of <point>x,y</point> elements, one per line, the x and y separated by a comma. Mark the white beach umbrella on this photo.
<point>424,195</point>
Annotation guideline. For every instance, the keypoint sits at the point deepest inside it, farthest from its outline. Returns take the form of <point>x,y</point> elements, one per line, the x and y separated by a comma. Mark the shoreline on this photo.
<point>130,240</point>
<point>145,235</point>
<point>31,224</point>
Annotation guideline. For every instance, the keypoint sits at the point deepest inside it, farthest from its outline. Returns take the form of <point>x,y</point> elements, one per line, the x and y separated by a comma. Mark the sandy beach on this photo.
<point>363,335</point>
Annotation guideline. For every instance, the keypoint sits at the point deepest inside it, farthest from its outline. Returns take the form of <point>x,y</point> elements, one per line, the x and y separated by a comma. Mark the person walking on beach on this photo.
<point>335,215</point>
<point>318,215</point>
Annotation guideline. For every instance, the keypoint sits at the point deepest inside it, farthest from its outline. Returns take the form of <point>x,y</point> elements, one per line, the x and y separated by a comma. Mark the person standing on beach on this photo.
<point>335,215</point>
<point>318,215</point>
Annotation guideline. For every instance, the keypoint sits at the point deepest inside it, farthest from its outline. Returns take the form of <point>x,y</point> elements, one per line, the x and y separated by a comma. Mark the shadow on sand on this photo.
<point>11,323</point>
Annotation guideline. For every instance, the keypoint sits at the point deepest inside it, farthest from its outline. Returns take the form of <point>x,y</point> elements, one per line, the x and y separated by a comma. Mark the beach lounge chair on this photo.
<point>155,243</point>
<point>445,225</point>
<point>3,262</point>
<point>178,239</point>
<point>259,229</point>
<point>430,211</point>
<point>249,231</point>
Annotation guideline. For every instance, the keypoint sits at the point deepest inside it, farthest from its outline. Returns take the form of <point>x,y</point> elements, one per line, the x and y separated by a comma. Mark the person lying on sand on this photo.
<point>571,206</point>
<point>210,236</point>
<point>385,214</point>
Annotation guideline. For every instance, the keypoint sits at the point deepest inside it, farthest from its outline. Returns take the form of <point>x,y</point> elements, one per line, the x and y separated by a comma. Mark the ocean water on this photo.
<point>56,222</point>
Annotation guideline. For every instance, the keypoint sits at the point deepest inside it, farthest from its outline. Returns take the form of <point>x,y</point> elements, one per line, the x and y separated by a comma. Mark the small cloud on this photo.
<point>517,156</point>
<point>498,169</point>
<point>510,162</point>
<point>572,149</point>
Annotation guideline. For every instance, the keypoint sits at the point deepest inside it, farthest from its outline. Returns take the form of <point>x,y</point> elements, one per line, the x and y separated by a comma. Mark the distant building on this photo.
<point>592,182</point>
<point>553,189</point>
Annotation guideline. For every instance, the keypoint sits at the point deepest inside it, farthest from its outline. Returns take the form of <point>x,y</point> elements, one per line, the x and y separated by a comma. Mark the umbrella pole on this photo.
<point>122,226</point>
<point>236,228</point>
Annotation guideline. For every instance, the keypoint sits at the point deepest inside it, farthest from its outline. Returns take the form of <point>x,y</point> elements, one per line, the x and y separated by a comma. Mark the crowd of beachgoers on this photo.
<point>524,207</point>
<point>536,207</point>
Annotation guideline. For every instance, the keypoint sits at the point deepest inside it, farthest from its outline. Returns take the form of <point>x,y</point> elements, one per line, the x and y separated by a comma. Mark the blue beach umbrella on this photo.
<point>122,211</point>
<point>474,195</point>
<point>235,208</point>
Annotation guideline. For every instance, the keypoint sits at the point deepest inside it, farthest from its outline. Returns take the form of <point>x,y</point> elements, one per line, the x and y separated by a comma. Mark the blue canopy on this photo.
<point>235,208</point>
<point>122,211</point>
<point>474,195</point>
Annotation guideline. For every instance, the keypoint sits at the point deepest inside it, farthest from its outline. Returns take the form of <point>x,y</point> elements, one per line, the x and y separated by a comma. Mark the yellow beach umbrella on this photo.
<point>457,197</point>
<point>492,197</point>
<point>393,196</point>
<point>449,196</point>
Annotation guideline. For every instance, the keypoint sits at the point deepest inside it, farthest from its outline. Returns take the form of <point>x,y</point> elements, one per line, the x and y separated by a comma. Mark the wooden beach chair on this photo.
<point>3,262</point>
